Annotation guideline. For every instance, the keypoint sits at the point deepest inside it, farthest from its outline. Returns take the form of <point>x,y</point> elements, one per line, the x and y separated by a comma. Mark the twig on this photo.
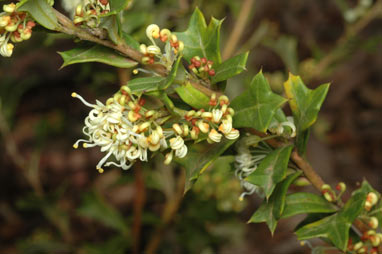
<point>169,211</point>
<point>238,28</point>
<point>139,201</point>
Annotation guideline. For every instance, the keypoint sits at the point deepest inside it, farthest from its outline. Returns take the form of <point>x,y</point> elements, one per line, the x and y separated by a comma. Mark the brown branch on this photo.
<point>139,201</point>
<point>238,28</point>
<point>169,211</point>
<point>302,163</point>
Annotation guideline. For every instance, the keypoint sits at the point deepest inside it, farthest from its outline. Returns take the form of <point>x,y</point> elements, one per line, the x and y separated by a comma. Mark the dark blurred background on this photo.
<point>52,200</point>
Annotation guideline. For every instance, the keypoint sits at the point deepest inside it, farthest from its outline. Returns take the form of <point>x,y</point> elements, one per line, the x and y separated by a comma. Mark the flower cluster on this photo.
<point>14,26</point>
<point>202,67</point>
<point>250,153</point>
<point>279,129</point>
<point>173,46</point>
<point>124,128</point>
<point>89,12</point>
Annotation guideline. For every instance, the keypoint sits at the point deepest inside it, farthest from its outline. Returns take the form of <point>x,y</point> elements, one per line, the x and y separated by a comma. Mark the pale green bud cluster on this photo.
<point>89,12</point>
<point>14,26</point>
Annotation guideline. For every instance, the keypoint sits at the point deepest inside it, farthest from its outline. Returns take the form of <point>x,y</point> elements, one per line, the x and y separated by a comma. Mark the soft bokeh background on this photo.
<point>52,200</point>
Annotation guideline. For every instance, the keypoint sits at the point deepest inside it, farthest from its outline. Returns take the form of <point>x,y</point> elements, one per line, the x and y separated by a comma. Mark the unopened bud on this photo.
<point>186,130</point>
<point>373,222</point>
<point>152,49</point>
<point>204,127</point>
<point>341,187</point>
<point>149,113</point>
<point>375,240</point>
<point>177,129</point>
<point>79,10</point>
<point>372,198</point>
<point>168,158</point>
<point>10,8</point>
<point>223,100</point>
<point>125,90</point>
<point>144,126</point>
<point>358,246</point>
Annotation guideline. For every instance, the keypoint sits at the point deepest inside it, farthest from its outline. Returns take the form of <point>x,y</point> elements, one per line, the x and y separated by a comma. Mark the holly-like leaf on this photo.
<point>256,107</point>
<point>112,24</point>
<point>98,53</point>
<point>230,68</point>
<point>305,202</point>
<point>95,207</point>
<point>41,11</point>
<point>271,170</point>
<point>304,102</point>
<point>336,227</point>
<point>200,39</point>
<point>192,96</point>
<point>199,157</point>
<point>118,5</point>
<point>171,76</point>
<point>146,84</point>
<point>270,211</point>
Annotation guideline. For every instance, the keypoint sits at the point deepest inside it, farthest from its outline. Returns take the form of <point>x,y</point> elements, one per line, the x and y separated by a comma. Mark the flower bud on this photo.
<point>144,126</point>
<point>176,143</point>
<point>215,136</point>
<point>186,130</point>
<point>358,246</point>
<point>216,115</point>
<point>152,31</point>
<point>133,116</point>
<point>26,34</point>
<point>233,134</point>
<point>372,198</point>
<point>375,240</point>
<point>11,27</point>
<point>373,222</point>
<point>341,187</point>
<point>181,46</point>
<point>149,113</point>
<point>164,34</point>
<point>4,21</point>
<point>223,100</point>
<point>10,8</point>
<point>152,49</point>
<point>79,10</point>
<point>168,158</point>
<point>204,127</point>
<point>159,130</point>
<point>207,115</point>
<point>178,130</point>
<point>125,90</point>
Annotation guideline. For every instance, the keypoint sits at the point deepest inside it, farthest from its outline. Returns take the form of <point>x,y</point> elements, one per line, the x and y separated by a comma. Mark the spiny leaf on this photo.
<point>193,96</point>
<point>98,53</point>
<point>146,84</point>
<point>304,102</point>
<point>256,107</point>
<point>305,202</point>
<point>96,208</point>
<point>199,157</point>
<point>271,170</point>
<point>270,211</point>
<point>41,11</point>
<point>336,227</point>
<point>230,68</point>
<point>200,39</point>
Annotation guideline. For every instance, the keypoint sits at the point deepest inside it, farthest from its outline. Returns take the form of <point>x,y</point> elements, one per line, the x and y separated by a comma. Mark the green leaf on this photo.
<point>305,202</point>
<point>199,157</point>
<point>145,84</point>
<point>270,211</point>
<point>336,227</point>
<point>256,107</point>
<point>171,77</point>
<point>95,207</point>
<point>230,68</point>
<point>111,24</point>
<point>286,48</point>
<point>192,96</point>
<point>304,102</point>
<point>130,41</point>
<point>98,53</point>
<point>42,12</point>
<point>200,39</point>
<point>271,170</point>
<point>118,5</point>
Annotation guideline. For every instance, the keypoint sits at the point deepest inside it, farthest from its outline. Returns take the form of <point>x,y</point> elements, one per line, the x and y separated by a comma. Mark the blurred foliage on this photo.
<point>57,203</point>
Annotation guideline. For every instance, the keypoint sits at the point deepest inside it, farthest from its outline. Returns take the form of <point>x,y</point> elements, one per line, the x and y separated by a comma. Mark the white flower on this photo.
<point>181,152</point>
<point>176,143</point>
<point>225,127</point>
<point>108,127</point>
<point>215,136</point>
<point>216,115</point>
<point>233,134</point>
<point>6,49</point>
